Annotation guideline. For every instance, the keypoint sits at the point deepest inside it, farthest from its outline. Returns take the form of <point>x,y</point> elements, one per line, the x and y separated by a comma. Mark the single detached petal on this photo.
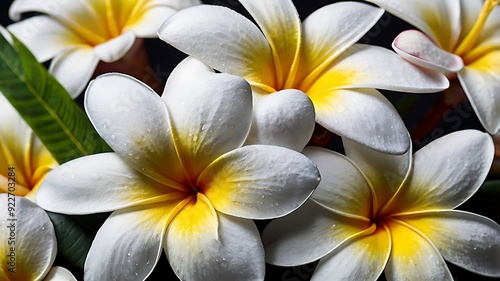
<point>386,173</point>
<point>343,188</point>
<point>133,120</point>
<point>358,259</point>
<point>330,30</point>
<point>29,243</point>
<point>73,68</point>
<point>363,66</point>
<point>467,240</point>
<point>150,20</point>
<point>481,83</point>
<point>215,246</point>
<point>99,183</point>
<point>210,113</point>
<point>285,118</point>
<point>226,40</point>
<point>438,19</point>
<point>115,48</point>
<point>280,23</point>
<point>417,48</point>
<point>446,172</point>
<point>362,115</point>
<point>308,234</point>
<point>58,273</point>
<point>259,181</point>
<point>44,36</point>
<point>129,243</point>
<point>413,256</point>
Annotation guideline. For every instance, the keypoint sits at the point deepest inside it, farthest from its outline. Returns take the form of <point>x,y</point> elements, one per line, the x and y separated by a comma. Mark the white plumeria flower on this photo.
<point>21,150</point>
<point>178,178</point>
<point>373,211</point>
<point>460,38</point>
<point>79,34</point>
<point>27,242</point>
<point>317,56</point>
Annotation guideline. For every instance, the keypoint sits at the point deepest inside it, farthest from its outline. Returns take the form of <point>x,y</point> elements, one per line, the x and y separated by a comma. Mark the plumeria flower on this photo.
<point>21,150</point>
<point>178,178</point>
<point>28,242</point>
<point>79,34</point>
<point>317,57</point>
<point>460,38</point>
<point>373,212</point>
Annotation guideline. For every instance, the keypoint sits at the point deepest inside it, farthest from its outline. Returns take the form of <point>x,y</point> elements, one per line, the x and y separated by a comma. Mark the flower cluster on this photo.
<point>193,171</point>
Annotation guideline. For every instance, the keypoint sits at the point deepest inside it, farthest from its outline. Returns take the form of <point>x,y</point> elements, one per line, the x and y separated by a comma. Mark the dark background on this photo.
<point>413,107</point>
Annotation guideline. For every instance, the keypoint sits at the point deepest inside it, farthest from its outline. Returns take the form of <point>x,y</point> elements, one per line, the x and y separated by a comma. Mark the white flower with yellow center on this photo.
<point>27,242</point>
<point>460,38</point>
<point>317,56</point>
<point>78,34</point>
<point>178,179</point>
<point>373,212</point>
<point>22,151</point>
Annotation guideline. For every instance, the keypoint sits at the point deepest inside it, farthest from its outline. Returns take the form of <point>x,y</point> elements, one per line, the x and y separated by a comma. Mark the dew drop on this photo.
<point>112,137</point>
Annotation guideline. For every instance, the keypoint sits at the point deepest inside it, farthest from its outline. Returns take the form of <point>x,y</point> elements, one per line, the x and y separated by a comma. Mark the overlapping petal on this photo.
<point>285,118</point>
<point>364,66</point>
<point>411,253</point>
<point>226,40</point>
<point>99,183</point>
<point>329,31</point>
<point>357,259</point>
<point>446,181</point>
<point>150,20</point>
<point>58,273</point>
<point>439,19</point>
<point>34,244</point>
<point>249,182</point>
<point>468,240</point>
<point>215,246</point>
<point>129,243</point>
<point>114,49</point>
<point>145,142</point>
<point>73,68</point>
<point>362,115</point>
<point>210,113</point>
<point>481,83</point>
<point>308,234</point>
<point>343,187</point>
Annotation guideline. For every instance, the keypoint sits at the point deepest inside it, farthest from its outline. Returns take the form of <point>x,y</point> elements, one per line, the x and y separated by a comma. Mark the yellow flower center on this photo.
<point>471,38</point>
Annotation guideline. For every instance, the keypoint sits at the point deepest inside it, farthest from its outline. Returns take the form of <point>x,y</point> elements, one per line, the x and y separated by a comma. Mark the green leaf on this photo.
<point>56,119</point>
<point>491,186</point>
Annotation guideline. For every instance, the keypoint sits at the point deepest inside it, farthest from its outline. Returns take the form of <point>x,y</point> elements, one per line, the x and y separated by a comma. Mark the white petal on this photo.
<point>481,83</point>
<point>44,36</point>
<point>29,243</point>
<point>210,113</point>
<point>115,48</point>
<point>332,29</point>
<point>58,273</point>
<point>307,234</point>
<point>446,172</point>
<point>150,21</point>
<point>364,116</point>
<point>417,48</point>
<point>226,40</point>
<point>280,23</point>
<point>343,187</point>
<point>363,66</point>
<point>467,240</point>
<point>259,181</point>
<point>133,120</point>
<point>129,243</point>
<point>413,256</point>
<point>98,183</point>
<point>438,19</point>
<point>386,173</point>
<point>285,118</point>
<point>73,68</point>
<point>358,259</point>
<point>235,253</point>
